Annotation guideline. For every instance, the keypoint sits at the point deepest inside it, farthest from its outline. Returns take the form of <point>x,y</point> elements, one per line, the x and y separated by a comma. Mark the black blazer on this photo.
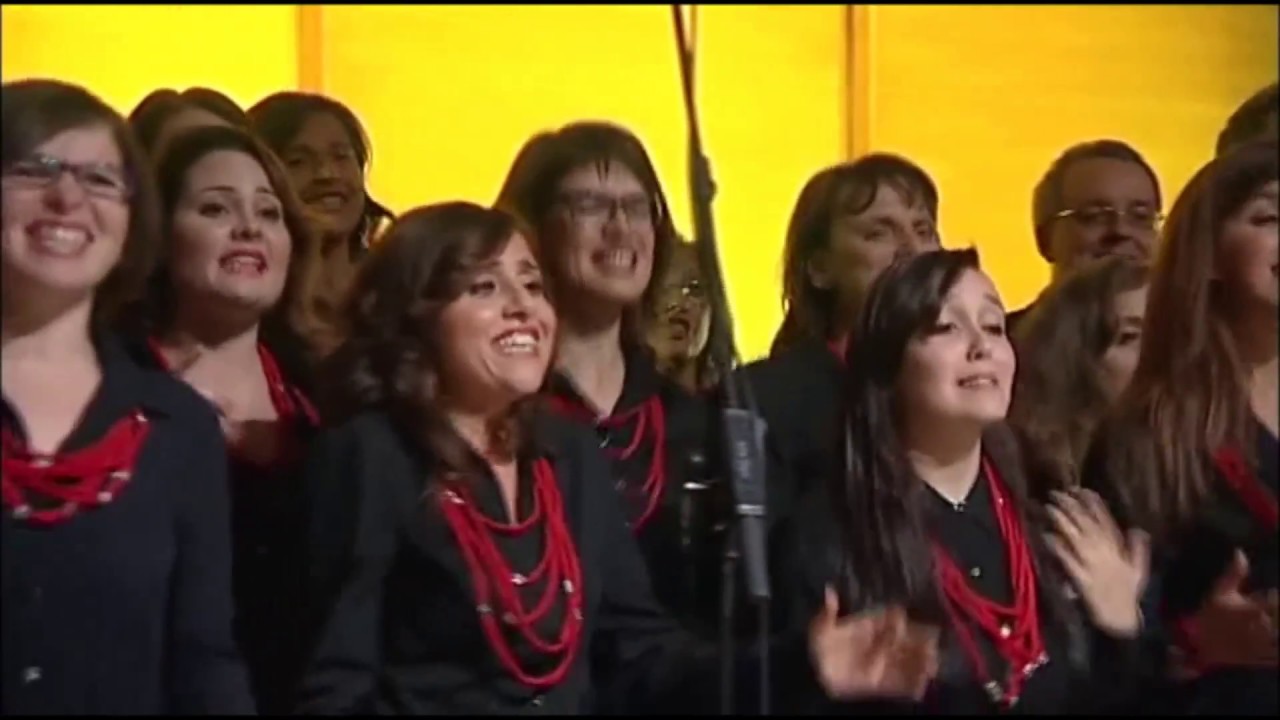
<point>268,536</point>
<point>126,609</point>
<point>398,626</point>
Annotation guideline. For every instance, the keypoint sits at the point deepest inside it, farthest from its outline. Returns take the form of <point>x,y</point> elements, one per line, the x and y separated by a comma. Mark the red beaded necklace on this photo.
<point>288,404</point>
<point>496,587</point>
<point>1241,479</point>
<point>1015,629</point>
<point>648,416</point>
<point>86,478</point>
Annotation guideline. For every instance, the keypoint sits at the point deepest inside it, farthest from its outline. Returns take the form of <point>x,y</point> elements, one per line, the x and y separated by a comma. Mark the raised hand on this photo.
<point>1108,569</point>
<point>872,654</point>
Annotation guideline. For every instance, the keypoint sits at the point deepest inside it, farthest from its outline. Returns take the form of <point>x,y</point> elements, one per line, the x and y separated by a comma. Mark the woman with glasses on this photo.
<point>678,330</point>
<point>115,533</point>
<point>592,196</point>
<point>1189,453</point>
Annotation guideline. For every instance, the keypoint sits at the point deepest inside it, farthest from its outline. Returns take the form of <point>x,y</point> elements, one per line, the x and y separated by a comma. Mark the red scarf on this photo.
<point>87,478</point>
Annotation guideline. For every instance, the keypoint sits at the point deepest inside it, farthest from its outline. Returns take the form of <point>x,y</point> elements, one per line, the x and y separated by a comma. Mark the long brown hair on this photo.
<point>1188,396</point>
<point>1059,397</point>
<point>179,156</point>
<point>847,188</point>
<point>531,188</point>
<point>34,111</point>
<point>389,361</point>
<point>878,500</point>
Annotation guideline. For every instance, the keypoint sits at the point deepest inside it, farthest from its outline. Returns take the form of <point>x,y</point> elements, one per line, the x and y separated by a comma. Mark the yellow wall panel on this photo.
<point>450,93</point>
<point>985,97</point>
<point>123,52</point>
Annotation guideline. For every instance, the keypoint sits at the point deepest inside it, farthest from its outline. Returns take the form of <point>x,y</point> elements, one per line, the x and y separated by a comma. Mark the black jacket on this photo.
<point>126,609</point>
<point>399,629</point>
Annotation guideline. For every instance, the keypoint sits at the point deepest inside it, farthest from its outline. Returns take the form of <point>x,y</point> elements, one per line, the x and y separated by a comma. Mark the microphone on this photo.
<point>742,430</point>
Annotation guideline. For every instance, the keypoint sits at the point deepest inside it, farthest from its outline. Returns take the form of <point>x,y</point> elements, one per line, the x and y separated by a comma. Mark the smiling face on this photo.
<point>961,368</point>
<point>65,216</point>
<point>606,234</point>
<point>231,245</point>
<point>325,168</point>
<point>496,338</point>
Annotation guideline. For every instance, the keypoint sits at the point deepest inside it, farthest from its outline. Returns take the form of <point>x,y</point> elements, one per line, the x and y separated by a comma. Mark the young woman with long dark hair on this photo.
<point>219,313</point>
<point>1190,452</point>
<point>850,222</point>
<point>115,533</point>
<point>469,554</point>
<point>928,512</point>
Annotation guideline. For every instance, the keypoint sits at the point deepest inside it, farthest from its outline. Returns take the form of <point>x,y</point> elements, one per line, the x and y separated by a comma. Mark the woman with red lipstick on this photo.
<point>217,313</point>
<point>468,553</point>
<point>591,193</point>
<point>327,153</point>
<point>929,513</point>
<point>1190,451</point>
<point>115,536</point>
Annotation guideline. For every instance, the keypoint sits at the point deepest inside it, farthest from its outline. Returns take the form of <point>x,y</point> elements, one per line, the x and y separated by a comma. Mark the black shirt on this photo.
<point>1086,670</point>
<point>799,391</point>
<point>268,534</point>
<point>400,630</point>
<point>126,608</point>
<point>678,540</point>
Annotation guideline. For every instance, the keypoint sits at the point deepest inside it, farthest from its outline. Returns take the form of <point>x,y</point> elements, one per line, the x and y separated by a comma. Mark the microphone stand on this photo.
<point>742,429</point>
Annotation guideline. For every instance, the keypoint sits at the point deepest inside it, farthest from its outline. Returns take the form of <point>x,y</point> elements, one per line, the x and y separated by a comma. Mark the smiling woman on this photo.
<point>218,314</point>
<point>116,589</point>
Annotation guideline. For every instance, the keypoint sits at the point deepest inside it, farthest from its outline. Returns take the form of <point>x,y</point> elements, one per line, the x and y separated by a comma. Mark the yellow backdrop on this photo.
<point>983,97</point>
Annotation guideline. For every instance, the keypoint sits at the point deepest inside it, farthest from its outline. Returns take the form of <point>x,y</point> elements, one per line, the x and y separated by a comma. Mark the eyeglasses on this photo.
<point>41,171</point>
<point>1102,216</point>
<point>597,206</point>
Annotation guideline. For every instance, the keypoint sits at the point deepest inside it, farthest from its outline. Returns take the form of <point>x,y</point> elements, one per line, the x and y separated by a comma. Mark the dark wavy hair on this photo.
<point>390,360</point>
<point>160,106</point>
<point>1188,396</point>
<point>278,119</point>
<point>284,325</point>
<point>34,111</point>
<point>844,189</point>
<point>877,498</point>
<point>531,191</point>
<point>1059,397</point>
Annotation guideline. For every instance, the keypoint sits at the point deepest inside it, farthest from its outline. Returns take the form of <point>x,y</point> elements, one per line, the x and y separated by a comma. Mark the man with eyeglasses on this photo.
<point>1098,199</point>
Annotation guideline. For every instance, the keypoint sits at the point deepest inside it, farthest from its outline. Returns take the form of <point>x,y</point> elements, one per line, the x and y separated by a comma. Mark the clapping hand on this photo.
<point>872,654</point>
<point>1108,569</point>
